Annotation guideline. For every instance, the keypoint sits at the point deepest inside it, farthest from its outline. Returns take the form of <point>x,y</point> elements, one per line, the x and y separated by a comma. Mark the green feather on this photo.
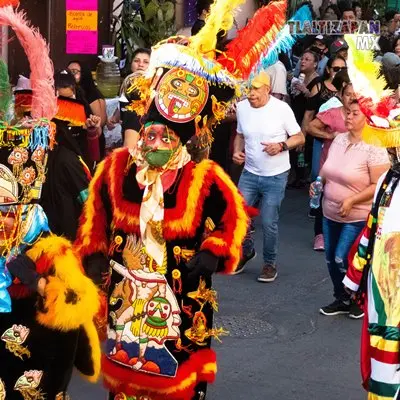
<point>5,90</point>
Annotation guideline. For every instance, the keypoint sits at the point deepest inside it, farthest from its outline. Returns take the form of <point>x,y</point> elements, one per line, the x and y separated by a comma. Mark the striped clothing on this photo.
<point>380,357</point>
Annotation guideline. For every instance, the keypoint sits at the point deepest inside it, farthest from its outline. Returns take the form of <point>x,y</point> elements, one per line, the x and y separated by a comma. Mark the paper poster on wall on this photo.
<point>81,25</point>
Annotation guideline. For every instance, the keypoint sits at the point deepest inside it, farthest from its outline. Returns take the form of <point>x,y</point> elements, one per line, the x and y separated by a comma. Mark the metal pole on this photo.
<point>49,14</point>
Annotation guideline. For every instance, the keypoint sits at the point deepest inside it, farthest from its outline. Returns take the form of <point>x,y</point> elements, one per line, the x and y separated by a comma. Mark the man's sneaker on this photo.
<point>243,262</point>
<point>335,308</point>
<point>319,243</point>
<point>355,311</point>
<point>268,274</point>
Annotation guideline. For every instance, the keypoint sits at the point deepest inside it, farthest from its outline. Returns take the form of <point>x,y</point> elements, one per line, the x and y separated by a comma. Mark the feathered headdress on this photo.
<point>284,41</point>
<point>189,84</point>
<point>254,39</point>
<point>376,102</point>
<point>24,146</point>
<point>44,102</point>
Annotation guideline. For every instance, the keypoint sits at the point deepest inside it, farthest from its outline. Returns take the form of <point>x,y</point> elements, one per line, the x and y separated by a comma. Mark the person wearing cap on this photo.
<point>339,48</point>
<point>266,131</point>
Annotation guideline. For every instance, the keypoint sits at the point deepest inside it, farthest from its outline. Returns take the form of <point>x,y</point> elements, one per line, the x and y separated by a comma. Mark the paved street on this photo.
<point>280,347</point>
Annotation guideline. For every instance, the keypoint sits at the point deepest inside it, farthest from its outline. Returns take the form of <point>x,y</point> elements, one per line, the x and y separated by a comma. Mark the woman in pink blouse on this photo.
<point>326,126</point>
<point>350,174</point>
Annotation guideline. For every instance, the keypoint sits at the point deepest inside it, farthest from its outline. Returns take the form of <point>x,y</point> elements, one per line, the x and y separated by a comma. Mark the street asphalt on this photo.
<point>279,346</point>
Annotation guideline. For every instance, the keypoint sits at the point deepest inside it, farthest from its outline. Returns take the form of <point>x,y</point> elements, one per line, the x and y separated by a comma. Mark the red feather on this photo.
<point>5,3</point>
<point>255,38</point>
<point>385,105</point>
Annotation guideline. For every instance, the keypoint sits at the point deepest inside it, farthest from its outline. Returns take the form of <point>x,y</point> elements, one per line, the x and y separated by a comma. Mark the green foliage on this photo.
<point>143,23</point>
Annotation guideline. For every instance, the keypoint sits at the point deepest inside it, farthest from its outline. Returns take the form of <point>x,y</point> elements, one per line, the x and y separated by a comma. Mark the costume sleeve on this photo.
<point>92,238</point>
<point>357,259</point>
<point>23,268</point>
<point>226,209</point>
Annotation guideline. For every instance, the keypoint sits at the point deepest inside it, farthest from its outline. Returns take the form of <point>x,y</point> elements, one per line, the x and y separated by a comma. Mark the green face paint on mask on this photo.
<point>158,158</point>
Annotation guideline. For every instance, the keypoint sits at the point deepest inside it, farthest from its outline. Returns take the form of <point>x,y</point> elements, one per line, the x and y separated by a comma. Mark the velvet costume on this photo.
<point>203,211</point>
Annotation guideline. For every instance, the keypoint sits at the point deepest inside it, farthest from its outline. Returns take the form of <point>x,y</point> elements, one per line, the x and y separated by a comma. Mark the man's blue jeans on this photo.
<point>270,190</point>
<point>339,238</point>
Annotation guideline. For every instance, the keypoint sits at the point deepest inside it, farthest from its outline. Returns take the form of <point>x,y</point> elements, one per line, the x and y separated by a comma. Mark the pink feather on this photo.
<point>44,102</point>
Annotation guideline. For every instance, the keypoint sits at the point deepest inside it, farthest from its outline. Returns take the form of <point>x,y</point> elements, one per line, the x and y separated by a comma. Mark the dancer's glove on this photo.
<point>203,264</point>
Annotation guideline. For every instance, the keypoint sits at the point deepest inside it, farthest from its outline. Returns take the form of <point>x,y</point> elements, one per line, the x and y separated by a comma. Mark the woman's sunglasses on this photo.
<point>337,69</point>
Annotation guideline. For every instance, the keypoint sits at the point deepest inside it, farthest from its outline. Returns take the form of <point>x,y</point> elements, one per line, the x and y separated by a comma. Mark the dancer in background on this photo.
<point>156,225</point>
<point>374,271</point>
<point>46,303</point>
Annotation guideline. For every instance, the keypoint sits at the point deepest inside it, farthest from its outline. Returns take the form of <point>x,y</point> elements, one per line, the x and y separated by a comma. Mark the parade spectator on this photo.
<point>325,5</point>
<point>357,8</point>
<point>262,144</point>
<point>203,9</point>
<point>299,95</point>
<point>339,48</point>
<point>278,75</point>
<point>324,128</point>
<point>386,41</point>
<point>348,14</point>
<point>322,91</point>
<point>396,46</point>
<point>331,13</point>
<point>130,122</point>
<point>348,194</point>
<point>390,70</point>
<point>320,94</point>
<point>88,92</point>
<point>318,46</point>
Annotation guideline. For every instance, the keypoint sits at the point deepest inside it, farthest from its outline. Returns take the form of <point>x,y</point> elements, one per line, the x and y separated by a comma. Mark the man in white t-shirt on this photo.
<point>266,131</point>
<point>278,75</point>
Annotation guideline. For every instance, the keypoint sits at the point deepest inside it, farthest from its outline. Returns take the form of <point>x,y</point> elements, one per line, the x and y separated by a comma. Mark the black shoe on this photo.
<point>355,311</point>
<point>335,308</point>
<point>243,262</point>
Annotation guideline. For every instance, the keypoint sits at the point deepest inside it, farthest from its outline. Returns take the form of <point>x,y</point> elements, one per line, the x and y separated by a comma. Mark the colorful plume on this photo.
<point>44,102</point>
<point>5,90</point>
<point>284,41</point>
<point>377,103</point>
<point>221,18</point>
<point>252,41</point>
<point>5,3</point>
<point>364,72</point>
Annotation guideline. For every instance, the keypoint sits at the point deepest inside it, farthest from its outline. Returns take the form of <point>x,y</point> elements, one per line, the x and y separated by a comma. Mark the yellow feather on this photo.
<point>221,18</point>
<point>363,72</point>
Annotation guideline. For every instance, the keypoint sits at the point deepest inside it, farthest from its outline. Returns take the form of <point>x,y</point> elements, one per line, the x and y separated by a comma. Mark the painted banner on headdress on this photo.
<point>82,22</point>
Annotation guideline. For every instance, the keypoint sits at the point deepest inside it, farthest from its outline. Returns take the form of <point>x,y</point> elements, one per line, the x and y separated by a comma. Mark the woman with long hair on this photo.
<point>88,91</point>
<point>320,94</point>
<point>301,91</point>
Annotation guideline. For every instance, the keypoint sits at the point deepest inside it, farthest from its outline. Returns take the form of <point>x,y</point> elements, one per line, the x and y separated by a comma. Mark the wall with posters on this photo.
<point>50,16</point>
